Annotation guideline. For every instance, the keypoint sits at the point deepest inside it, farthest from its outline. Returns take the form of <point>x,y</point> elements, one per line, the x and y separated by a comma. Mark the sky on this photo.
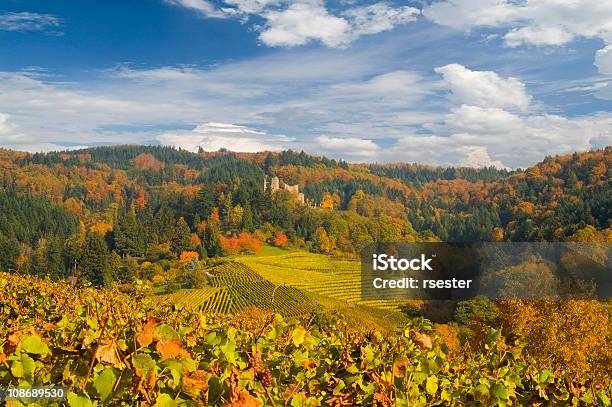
<point>445,82</point>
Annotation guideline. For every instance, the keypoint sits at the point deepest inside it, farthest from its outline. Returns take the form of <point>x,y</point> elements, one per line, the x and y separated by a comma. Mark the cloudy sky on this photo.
<point>448,82</point>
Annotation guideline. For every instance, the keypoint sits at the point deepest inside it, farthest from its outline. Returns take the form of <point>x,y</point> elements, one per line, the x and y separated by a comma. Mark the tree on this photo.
<point>247,218</point>
<point>95,263</point>
<point>212,243</point>
<point>204,202</point>
<point>328,202</point>
<point>235,217</point>
<point>321,242</point>
<point>181,239</point>
<point>9,253</point>
<point>129,235</point>
<point>73,250</point>
<point>280,240</point>
<point>56,268</point>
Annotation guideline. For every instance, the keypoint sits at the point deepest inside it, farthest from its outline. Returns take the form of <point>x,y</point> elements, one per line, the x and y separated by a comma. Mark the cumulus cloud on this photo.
<point>484,88</point>
<point>559,20</point>
<point>214,136</point>
<point>348,147</point>
<point>529,22</point>
<point>438,150</point>
<point>603,60</point>
<point>29,22</point>
<point>303,22</point>
<point>478,156</point>
<point>521,140</point>
<point>292,23</point>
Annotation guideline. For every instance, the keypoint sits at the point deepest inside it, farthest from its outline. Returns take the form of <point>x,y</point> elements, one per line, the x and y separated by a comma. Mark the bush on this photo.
<point>191,279</point>
<point>478,309</point>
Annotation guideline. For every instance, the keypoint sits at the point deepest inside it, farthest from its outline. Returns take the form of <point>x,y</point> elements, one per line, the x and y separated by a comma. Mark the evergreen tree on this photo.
<point>204,202</point>
<point>56,268</point>
<point>72,252</point>
<point>181,239</point>
<point>247,218</point>
<point>212,243</point>
<point>95,263</point>
<point>38,260</point>
<point>129,236</point>
<point>9,253</point>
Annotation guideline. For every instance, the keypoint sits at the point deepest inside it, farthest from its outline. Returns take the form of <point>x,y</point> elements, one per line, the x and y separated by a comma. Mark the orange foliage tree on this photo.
<point>244,243</point>
<point>187,256</point>
<point>280,240</point>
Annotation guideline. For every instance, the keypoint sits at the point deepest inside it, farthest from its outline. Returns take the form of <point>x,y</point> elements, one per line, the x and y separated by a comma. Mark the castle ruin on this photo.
<point>292,189</point>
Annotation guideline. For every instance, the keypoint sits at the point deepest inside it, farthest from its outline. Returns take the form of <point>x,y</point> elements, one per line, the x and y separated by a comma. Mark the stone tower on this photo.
<point>275,185</point>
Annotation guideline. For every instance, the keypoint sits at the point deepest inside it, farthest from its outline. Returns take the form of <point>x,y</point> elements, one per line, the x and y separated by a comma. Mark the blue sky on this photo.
<point>449,82</point>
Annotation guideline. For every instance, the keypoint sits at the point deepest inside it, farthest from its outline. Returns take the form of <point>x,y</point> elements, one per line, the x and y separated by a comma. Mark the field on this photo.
<point>317,273</point>
<point>292,283</point>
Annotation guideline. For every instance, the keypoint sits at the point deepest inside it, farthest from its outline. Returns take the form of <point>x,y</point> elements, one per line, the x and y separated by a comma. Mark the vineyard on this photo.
<point>235,287</point>
<point>292,284</point>
<point>339,279</point>
<point>110,348</point>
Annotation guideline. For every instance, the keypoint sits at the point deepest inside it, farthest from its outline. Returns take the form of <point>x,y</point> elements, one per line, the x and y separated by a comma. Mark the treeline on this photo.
<point>418,174</point>
<point>300,159</point>
<point>28,222</point>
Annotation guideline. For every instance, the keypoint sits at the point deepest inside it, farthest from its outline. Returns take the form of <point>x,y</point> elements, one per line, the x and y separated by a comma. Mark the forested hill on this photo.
<point>140,198</point>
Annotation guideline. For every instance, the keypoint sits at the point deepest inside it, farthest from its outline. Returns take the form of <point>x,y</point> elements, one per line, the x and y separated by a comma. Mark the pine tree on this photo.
<point>181,239</point>
<point>38,260</point>
<point>129,236</point>
<point>9,252</point>
<point>95,263</point>
<point>204,202</point>
<point>56,268</point>
<point>212,243</point>
<point>247,218</point>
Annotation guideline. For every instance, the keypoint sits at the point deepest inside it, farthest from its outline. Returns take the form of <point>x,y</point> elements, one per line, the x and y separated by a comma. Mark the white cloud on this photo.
<point>482,120</point>
<point>397,87</point>
<point>253,6</point>
<point>204,7</point>
<point>521,140</point>
<point>552,35</point>
<point>29,22</point>
<point>566,18</point>
<point>348,147</point>
<point>478,156</point>
<point>302,22</point>
<point>214,136</point>
<point>292,23</point>
<point>11,137</point>
<point>603,60</point>
<point>308,20</point>
<point>484,88</point>
<point>441,151</point>
<point>530,22</point>
<point>464,14</point>
<point>379,17</point>
<point>342,103</point>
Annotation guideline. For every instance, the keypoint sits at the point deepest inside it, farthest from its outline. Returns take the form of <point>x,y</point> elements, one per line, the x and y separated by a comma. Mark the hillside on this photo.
<point>149,276</point>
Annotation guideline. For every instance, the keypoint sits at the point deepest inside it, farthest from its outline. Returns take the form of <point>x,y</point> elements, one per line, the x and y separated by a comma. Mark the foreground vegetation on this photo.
<point>110,348</point>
